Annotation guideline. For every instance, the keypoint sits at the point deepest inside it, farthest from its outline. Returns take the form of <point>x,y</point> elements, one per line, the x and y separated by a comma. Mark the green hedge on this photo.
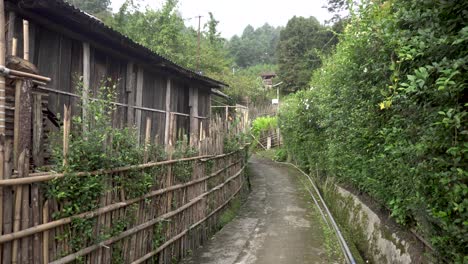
<point>387,114</point>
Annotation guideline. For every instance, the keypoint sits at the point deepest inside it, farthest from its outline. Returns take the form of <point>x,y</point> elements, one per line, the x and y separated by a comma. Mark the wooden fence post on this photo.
<point>139,102</point>
<point>193,104</point>
<point>45,235</point>
<point>130,88</point>
<point>86,82</point>
<point>167,129</point>
<point>22,144</point>
<point>26,40</point>
<point>147,138</point>
<point>38,158</point>
<point>66,132</point>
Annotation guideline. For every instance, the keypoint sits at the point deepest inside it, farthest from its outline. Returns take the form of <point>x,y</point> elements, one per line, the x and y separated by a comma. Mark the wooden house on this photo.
<point>71,46</point>
<point>267,78</point>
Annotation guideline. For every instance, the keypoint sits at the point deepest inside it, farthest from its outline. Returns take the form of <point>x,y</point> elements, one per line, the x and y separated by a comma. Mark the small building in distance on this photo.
<point>267,78</point>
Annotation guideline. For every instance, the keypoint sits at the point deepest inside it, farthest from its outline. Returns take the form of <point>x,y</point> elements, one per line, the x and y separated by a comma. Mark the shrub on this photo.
<point>387,114</point>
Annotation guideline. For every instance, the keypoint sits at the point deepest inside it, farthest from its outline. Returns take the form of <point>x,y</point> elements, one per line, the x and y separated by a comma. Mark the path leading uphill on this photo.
<point>277,224</point>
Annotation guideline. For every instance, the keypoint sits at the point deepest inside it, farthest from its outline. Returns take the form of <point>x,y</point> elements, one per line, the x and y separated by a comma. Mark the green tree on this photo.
<point>99,8</point>
<point>301,44</point>
<point>169,36</point>
<point>212,34</point>
<point>255,46</point>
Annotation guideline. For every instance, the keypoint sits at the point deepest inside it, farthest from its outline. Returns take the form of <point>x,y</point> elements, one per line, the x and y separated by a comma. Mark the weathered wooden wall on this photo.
<point>63,59</point>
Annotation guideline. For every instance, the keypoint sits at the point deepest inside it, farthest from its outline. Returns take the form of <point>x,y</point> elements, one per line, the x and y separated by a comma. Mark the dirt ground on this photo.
<point>277,224</point>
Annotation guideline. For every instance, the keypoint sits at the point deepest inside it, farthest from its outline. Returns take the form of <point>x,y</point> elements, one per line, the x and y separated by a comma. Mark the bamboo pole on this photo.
<point>10,27</point>
<point>40,177</point>
<point>16,129</point>
<point>14,47</point>
<point>9,201</point>
<point>37,146</point>
<point>147,138</point>
<point>66,132</point>
<point>17,216</point>
<point>45,235</point>
<point>2,176</point>
<point>16,223</point>
<point>15,73</point>
<point>26,39</point>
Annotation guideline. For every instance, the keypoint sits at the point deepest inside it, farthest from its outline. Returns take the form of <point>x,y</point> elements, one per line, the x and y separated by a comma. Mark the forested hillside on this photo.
<point>255,46</point>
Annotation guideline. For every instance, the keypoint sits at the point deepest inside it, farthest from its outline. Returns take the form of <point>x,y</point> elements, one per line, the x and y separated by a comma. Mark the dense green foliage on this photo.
<point>171,38</point>
<point>179,43</point>
<point>105,147</point>
<point>247,87</point>
<point>255,46</point>
<point>262,124</point>
<point>386,113</point>
<point>300,46</point>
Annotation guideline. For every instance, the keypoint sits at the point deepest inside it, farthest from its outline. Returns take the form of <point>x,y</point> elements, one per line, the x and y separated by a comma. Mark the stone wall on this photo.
<point>374,234</point>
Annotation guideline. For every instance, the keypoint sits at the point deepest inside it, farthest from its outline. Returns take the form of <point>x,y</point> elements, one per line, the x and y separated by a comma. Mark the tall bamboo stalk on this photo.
<point>66,132</point>
<point>26,39</point>
<point>14,46</point>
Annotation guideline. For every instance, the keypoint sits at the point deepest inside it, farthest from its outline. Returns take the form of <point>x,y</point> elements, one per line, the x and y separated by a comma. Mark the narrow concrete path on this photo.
<point>277,224</point>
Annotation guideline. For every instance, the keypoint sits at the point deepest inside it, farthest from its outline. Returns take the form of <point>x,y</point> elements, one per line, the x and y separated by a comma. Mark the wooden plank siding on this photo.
<point>180,104</point>
<point>154,90</point>
<point>60,57</point>
<point>204,108</point>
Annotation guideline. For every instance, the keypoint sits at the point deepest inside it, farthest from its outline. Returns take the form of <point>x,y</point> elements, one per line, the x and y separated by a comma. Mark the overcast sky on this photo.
<point>235,15</point>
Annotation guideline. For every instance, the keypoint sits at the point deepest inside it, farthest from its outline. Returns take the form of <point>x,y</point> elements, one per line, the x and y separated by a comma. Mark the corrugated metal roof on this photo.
<point>94,27</point>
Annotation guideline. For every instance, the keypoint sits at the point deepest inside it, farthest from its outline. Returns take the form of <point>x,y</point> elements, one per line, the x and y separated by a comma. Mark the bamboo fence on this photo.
<point>167,222</point>
<point>164,224</point>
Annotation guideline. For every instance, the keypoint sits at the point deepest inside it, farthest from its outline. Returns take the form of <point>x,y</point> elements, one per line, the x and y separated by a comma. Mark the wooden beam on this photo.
<point>139,100</point>
<point>11,30</point>
<point>168,110</point>
<point>38,158</point>
<point>147,138</point>
<point>130,89</point>
<point>66,132</point>
<point>14,46</point>
<point>16,122</point>
<point>193,104</point>
<point>86,82</point>
<point>25,39</point>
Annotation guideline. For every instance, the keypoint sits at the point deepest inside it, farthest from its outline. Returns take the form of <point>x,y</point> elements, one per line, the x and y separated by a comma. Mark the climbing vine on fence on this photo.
<point>94,144</point>
<point>387,113</point>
